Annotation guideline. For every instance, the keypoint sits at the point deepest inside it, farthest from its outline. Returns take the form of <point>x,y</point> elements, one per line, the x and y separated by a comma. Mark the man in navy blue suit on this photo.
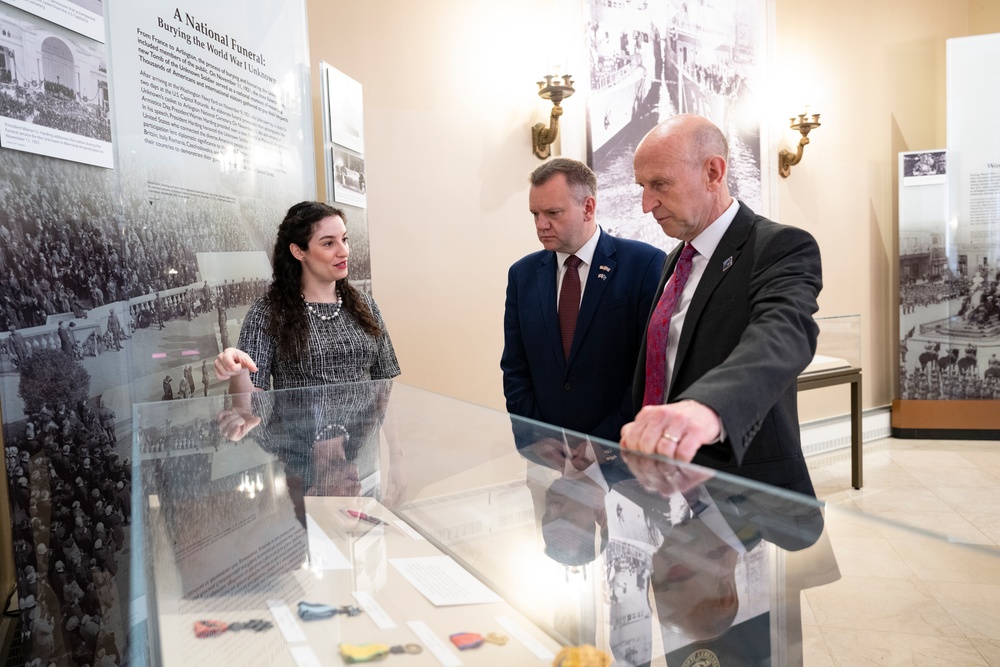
<point>585,385</point>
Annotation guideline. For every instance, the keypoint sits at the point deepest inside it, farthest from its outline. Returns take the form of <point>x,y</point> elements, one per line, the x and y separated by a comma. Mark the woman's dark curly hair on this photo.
<point>289,324</point>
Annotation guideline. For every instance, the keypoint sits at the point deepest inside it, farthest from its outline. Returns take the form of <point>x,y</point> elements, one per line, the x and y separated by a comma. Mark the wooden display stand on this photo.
<point>843,376</point>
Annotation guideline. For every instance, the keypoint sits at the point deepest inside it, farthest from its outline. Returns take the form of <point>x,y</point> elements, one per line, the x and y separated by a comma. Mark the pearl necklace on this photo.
<point>324,318</point>
<point>331,431</point>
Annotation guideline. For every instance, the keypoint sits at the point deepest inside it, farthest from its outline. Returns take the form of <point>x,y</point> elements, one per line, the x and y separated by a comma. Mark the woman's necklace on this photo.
<point>324,318</point>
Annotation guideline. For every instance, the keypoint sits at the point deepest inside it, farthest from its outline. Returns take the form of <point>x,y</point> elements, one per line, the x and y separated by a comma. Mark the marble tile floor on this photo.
<point>909,596</point>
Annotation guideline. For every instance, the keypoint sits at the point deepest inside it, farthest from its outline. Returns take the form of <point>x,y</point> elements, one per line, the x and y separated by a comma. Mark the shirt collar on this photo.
<point>706,242</point>
<point>586,251</point>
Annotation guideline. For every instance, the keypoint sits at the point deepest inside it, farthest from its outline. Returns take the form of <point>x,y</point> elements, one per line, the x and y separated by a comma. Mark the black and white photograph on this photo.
<point>949,302</point>
<point>53,91</point>
<point>83,16</point>
<point>692,58</point>
<point>343,109</point>
<point>348,177</point>
<point>924,167</point>
<point>949,316</point>
<point>360,261</point>
<point>117,287</point>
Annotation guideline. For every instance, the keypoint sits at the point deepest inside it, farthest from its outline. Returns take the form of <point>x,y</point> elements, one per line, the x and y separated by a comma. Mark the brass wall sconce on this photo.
<point>551,89</point>
<point>805,123</point>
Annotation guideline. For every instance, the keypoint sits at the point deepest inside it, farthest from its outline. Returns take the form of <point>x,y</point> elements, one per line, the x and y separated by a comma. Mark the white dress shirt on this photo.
<point>705,243</point>
<point>586,255</point>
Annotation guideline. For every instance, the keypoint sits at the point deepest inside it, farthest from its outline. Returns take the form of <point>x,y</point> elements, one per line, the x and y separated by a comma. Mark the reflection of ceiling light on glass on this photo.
<point>249,487</point>
<point>313,565</point>
<point>230,160</point>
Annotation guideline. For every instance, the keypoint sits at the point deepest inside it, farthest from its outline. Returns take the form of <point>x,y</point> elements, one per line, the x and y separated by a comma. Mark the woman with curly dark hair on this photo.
<point>312,327</point>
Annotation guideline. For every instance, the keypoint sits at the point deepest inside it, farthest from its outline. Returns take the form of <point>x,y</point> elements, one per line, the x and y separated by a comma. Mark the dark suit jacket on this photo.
<point>748,333</point>
<point>590,393</point>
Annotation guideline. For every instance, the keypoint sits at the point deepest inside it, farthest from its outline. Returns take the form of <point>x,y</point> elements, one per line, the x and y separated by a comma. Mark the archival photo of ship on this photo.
<point>652,59</point>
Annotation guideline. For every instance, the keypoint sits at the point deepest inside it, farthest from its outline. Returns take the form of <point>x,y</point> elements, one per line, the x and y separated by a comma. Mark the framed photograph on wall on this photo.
<point>54,87</point>
<point>343,138</point>
<point>347,176</point>
<point>342,109</point>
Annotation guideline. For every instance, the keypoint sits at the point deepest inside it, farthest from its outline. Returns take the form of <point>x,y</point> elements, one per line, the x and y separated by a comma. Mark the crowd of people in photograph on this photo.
<point>613,61</point>
<point>980,298</point>
<point>937,371</point>
<point>63,250</point>
<point>110,331</point>
<point>981,305</point>
<point>70,504</point>
<point>188,493</point>
<point>56,106</point>
<point>913,295</point>
<point>918,384</point>
<point>172,438</point>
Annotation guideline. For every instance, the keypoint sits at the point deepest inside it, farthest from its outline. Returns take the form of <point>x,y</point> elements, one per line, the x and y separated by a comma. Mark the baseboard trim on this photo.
<point>834,433</point>
<point>945,434</point>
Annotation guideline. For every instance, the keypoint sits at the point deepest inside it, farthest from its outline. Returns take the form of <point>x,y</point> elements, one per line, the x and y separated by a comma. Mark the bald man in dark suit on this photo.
<point>741,327</point>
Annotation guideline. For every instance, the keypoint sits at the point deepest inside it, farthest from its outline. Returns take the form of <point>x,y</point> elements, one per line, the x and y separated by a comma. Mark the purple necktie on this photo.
<point>569,302</point>
<point>659,329</point>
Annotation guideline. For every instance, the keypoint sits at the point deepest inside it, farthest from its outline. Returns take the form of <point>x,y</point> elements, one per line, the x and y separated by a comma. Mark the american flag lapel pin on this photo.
<point>727,263</point>
<point>604,267</point>
<point>602,276</point>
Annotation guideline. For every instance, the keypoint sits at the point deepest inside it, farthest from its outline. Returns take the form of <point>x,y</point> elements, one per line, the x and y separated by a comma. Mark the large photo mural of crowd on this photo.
<point>102,307</point>
<point>117,287</point>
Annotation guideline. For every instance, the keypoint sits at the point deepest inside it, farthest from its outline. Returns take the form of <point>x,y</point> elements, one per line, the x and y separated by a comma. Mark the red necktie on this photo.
<point>659,329</point>
<point>569,302</point>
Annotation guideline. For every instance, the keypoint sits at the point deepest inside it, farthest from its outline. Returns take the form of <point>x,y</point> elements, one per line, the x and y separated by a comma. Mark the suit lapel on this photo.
<point>601,272</point>
<point>726,255</point>
<point>546,277</point>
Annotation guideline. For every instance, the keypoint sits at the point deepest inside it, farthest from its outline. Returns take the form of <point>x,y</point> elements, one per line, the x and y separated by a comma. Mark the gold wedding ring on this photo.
<point>667,436</point>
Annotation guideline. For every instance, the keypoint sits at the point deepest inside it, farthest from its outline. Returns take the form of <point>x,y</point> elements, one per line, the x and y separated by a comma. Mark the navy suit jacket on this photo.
<point>748,333</point>
<point>590,392</point>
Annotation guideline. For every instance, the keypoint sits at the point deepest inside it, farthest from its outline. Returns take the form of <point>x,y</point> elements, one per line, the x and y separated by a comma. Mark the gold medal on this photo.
<point>582,656</point>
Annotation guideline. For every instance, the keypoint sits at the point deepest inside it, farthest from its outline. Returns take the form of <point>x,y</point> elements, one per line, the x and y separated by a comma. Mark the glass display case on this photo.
<point>838,361</point>
<point>344,524</point>
<point>838,345</point>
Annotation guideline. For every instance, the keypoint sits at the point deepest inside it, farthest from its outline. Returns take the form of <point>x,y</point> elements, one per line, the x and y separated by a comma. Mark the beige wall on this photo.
<point>449,98</point>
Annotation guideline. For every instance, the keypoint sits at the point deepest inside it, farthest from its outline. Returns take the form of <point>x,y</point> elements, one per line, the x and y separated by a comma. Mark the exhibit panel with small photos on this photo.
<point>379,521</point>
<point>948,381</point>
<point>148,152</point>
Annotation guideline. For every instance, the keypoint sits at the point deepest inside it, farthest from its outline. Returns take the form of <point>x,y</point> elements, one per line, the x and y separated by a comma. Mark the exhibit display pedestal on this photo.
<point>953,420</point>
<point>832,377</point>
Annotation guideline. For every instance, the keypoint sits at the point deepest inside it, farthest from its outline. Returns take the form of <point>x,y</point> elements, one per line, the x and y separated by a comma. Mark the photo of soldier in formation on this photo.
<point>949,318</point>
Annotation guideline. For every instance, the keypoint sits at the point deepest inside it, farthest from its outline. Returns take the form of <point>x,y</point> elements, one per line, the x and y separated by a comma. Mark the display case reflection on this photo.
<point>677,552</point>
<point>318,443</point>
